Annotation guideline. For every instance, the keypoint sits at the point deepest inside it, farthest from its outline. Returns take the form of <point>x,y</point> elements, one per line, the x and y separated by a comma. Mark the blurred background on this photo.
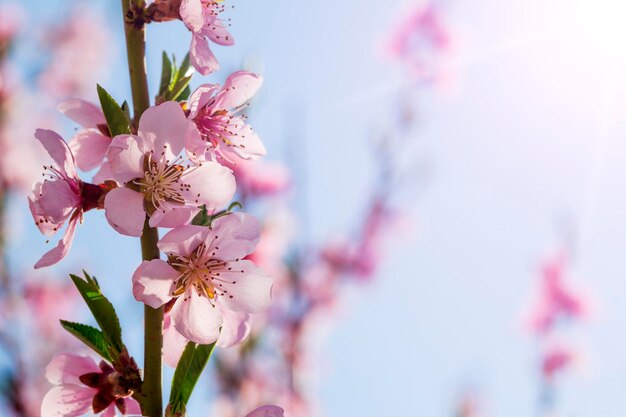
<point>442,203</point>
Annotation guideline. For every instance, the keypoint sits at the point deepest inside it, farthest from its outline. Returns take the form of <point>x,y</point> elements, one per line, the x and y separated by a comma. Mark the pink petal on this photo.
<point>182,241</point>
<point>165,125</point>
<point>66,368</point>
<point>267,411</point>
<point>172,215</point>
<point>53,201</point>
<point>58,150</point>
<point>200,98</point>
<point>61,249</point>
<point>132,406</point>
<point>201,56</point>
<point>109,411</point>
<point>237,236</point>
<point>218,33</point>
<point>153,282</point>
<point>67,401</point>
<point>82,112</point>
<point>173,343</point>
<point>89,148</point>
<point>195,318</point>
<point>103,174</point>
<point>192,14</point>
<point>210,183</point>
<point>252,288</point>
<point>246,144</point>
<point>239,87</point>
<point>126,155</point>
<point>235,328</point>
<point>124,211</point>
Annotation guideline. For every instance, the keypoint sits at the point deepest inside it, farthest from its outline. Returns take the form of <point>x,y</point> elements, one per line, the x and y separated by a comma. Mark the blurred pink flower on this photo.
<point>257,179</point>
<point>202,18</point>
<point>224,134</point>
<point>61,197</point>
<point>421,40</point>
<point>155,179</point>
<point>555,360</point>
<point>82,386</point>
<point>267,411</point>
<point>80,50</point>
<point>556,299</point>
<point>206,269</point>
<point>11,20</point>
<point>90,145</point>
<point>42,298</point>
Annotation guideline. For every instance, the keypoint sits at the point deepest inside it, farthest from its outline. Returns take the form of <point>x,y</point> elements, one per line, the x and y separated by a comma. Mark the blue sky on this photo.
<point>531,138</point>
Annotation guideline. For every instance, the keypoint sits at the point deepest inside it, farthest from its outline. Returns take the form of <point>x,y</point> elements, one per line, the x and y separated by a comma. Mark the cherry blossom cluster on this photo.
<point>171,167</point>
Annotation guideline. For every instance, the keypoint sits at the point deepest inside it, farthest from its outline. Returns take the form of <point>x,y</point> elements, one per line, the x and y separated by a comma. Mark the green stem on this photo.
<point>151,395</point>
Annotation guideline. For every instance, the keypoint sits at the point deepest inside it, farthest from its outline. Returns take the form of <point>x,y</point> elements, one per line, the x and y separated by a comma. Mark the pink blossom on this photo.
<point>206,269</point>
<point>80,49</point>
<point>420,39</point>
<point>11,19</point>
<point>156,181</point>
<point>89,146</point>
<point>555,360</point>
<point>82,386</point>
<point>267,411</point>
<point>202,18</point>
<point>556,300</point>
<point>260,178</point>
<point>224,133</point>
<point>60,198</point>
<point>42,298</point>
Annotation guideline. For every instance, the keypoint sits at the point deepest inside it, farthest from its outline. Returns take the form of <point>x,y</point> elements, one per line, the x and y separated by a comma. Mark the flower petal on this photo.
<point>103,174</point>
<point>67,401</point>
<point>210,183</point>
<point>132,406</point>
<point>235,328</point>
<point>173,343</point>
<point>267,411</point>
<point>167,127</point>
<point>182,241</point>
<point>196,318</point>
<point>51,203</point>
<point>126,155</point>
<point>89,148</point>
<point>239,87</point>
<point>201,56</point>
<point>66,368</point>
<point>124,211</point>
<point>172,215</point>
<point>192,14</point>
<point>61,249</point>
<point>82,112</point>
<point>153,282</point>
<point>234,236</point>
<point>244,142</point>
<point>249,288</point>
<point>218,33</point>
<point>58,151</point>
<point>200,98</point>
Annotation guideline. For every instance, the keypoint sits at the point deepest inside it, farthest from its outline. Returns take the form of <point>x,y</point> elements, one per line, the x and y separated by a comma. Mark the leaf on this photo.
<point>178,88</point>
<point>166,74</point>
<point>188,371</point>
<point>102,310</point>
<point>185,70</point>
<point>90,336</point>
<point>115,116</point>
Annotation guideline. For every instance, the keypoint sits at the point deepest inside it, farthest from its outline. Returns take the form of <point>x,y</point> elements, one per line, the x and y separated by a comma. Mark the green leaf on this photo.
<point>102,310</point>
<point>188,370</point>
<point>185,70</point>
<point>90,336</point>
<point>178,88</point>
<point>115,116</point>
<point>184,95</point>
<point>166,74</point>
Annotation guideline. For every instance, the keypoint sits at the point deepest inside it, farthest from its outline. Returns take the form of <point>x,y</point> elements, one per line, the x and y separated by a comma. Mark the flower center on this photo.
<point>202,273</point>
<point>162,181</point>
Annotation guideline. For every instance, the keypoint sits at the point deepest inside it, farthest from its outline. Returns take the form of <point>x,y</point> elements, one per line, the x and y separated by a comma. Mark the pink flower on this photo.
<point>61,197</point>
<point>556,300</point>
<point>260,179</point>
<point>156,181</point>
<point>420,39</point>
<point>202,18</point>
<point>235,329</point>
<point>267,411</point>
<point>90,145</point>
<point>207,274</point>
<point>555,360</point>
<point>83,386</point>
<point>11,19</point>
<point>224,134</point>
